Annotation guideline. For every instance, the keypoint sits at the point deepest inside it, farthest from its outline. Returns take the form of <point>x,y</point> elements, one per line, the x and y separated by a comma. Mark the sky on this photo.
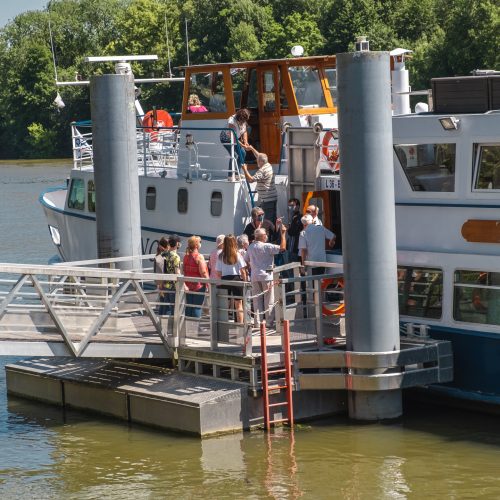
<point>11,8</point>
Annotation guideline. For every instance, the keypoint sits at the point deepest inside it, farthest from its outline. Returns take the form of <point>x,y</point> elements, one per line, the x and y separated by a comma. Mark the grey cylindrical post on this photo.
<point>115,168</point>
<point>368,219</point>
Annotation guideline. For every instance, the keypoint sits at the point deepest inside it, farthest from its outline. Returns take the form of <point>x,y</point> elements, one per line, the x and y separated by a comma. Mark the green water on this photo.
<point>46,452</point>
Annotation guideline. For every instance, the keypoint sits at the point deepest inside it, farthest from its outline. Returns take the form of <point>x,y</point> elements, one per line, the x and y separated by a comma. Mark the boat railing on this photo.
<point>83,306</point>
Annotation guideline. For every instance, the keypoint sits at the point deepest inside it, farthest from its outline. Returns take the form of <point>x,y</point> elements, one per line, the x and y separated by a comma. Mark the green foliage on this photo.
<point>40,141</point>
<point>447,37</point>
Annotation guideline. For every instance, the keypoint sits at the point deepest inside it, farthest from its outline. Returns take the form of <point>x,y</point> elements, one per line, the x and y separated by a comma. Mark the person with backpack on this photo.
<point>171,265</point>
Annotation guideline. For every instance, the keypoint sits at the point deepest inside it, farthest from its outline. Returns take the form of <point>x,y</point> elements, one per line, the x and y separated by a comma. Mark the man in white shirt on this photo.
<point>266,187</point>
<point>313,211</point>
<point>312,243</point>
<point>260,256</point>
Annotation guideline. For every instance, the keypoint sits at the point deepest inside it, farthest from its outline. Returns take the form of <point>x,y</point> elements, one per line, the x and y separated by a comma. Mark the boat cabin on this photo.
<point>296,92</point>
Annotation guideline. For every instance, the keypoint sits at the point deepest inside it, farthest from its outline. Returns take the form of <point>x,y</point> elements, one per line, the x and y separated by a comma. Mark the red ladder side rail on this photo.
<point>265,375</point>
<point>287,371</point>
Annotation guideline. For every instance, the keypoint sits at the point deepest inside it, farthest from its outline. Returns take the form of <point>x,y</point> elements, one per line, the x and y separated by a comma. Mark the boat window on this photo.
<point>239,79</point>
<point>488,167</point>
<point>331,76</point>
<point>252,100</point>
<point>91,196</point>
<point>77,194</point>
<point>283,99</point>
<point>268,86</point>
<point>209,87</point>
<point>182,200</point>
<point>476,297</point>
<point>150,198</point>
<point>428,167</point>
<point>307,87</point>
<point>216,204</point>
<point>420,292</point>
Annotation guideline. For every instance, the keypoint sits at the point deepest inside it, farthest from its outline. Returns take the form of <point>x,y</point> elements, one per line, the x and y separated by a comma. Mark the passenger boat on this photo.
<point>446,174</point>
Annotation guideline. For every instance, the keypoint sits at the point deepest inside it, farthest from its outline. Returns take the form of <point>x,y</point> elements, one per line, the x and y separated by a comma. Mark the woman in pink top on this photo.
<point>195,105</point>
<point>196,267</point>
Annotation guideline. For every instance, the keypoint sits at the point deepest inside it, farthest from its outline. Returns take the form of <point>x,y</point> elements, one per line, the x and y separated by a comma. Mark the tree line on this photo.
<point>447,38</point>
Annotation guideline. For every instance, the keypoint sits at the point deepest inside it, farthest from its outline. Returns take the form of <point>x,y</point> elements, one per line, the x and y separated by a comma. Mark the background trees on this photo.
<point>448,38</point>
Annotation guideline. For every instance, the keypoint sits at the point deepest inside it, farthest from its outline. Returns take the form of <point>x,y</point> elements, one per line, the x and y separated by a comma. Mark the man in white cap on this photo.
<point>312,243</point>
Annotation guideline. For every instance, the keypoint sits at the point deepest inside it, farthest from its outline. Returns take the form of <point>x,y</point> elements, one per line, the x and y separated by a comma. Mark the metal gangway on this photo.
<point>90,309</point>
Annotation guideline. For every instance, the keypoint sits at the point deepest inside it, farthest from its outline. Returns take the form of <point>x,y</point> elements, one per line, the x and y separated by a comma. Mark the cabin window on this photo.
<point>268,95</point>
<point>331,76</point>
<point>488,167</point>
<point>476,297</point>
<point>182,200</point>
<point>150,198</point>
<point>239,80</point>
<point>91,196</point>
<point>216,204</point>
<point>252,99</point>
<point>76,198</point>
<point>428,167</point>
<point>420,292</point>
<point>307,87</point>
<point>283,98</point>
<point>209,88</point>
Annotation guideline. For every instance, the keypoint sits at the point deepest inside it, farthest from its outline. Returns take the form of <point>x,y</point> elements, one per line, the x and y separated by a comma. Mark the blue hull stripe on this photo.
<point>89,217</point>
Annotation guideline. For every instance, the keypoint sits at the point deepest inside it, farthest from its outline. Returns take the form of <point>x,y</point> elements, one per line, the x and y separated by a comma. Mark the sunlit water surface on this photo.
<point>46,452</point>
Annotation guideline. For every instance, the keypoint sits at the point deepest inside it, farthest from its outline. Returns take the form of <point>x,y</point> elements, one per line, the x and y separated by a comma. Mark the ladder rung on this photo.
<point>279,420</point>
<point>280,370</point>
<point>284,403</point>
<point>277,387</point>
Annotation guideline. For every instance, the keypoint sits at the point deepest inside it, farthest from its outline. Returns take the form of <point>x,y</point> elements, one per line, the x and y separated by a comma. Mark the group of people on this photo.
<point>248,257</point>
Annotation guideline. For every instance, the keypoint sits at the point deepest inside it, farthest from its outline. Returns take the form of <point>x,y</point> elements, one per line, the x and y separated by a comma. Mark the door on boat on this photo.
<point>328,203</point>
<point>269,112</point>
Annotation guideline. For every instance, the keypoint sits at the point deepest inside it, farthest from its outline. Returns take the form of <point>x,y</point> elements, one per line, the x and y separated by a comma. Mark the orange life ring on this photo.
<point>331,151</point>
<point>155,119</point>
<point>338,284</point>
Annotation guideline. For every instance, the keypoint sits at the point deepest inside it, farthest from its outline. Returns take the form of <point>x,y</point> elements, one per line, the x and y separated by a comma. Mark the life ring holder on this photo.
<point>338,285</point>
<point>331,151</point>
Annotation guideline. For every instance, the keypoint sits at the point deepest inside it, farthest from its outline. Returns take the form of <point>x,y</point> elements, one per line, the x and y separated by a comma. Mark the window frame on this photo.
<point>477,152</point>
<point>74,180</point>
<point>212,201</point>
<point>149,197</point>
<point>427,193</point>
<point>91,203</point>
<point>405,293</point>
<point>179,191</point>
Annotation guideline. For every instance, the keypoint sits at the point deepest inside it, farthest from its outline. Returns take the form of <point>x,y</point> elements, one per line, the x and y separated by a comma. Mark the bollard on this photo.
<point>368,219</point>
<point>118,217</point>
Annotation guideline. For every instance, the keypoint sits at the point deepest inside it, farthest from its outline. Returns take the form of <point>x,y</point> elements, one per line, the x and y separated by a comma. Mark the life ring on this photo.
<point>331,150</point>
<point>338,284</point>
<point>156,119</point>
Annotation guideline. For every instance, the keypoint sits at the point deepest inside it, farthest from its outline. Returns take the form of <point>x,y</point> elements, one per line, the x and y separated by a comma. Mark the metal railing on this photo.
<point>84,307</point>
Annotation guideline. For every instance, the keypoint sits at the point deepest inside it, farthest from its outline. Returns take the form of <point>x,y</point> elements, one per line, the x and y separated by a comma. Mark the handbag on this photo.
<point>225,136</point>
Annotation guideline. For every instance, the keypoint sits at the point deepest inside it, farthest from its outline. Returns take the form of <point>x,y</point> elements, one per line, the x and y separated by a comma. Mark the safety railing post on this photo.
<point>247,325</point>
<point>278,299</point>
<point>179,330</point>
<point>214,316</point>
<point>318,310</point>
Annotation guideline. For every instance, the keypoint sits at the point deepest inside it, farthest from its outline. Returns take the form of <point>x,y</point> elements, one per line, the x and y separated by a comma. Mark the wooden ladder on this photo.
<point>268,388</point>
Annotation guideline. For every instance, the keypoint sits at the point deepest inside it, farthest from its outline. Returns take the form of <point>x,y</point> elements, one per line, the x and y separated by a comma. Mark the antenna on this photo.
<point>187,39</point>
<point>52,48</point>
<point>123,67</point>
<point>168,47</point>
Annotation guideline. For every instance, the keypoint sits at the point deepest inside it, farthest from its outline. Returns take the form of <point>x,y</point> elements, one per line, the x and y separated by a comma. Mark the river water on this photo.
<point>46,452</point>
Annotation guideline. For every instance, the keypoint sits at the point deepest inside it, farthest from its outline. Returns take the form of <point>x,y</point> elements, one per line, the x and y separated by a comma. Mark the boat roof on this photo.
<point>291,61</point>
